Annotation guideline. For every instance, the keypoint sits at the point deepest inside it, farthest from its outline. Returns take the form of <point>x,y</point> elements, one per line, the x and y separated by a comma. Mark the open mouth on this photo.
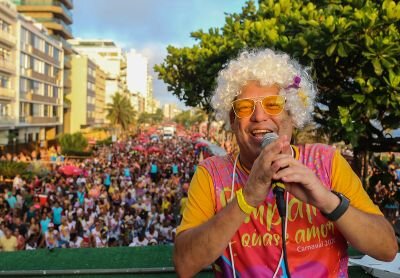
<point>259,133</point>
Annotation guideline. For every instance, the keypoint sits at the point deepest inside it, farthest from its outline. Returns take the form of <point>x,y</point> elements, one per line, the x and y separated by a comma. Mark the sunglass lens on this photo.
<point>273,104</point>
<point>243,107</point>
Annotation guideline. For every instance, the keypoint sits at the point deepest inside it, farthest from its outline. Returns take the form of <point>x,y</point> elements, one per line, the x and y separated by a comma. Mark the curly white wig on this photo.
<point>268,68</point>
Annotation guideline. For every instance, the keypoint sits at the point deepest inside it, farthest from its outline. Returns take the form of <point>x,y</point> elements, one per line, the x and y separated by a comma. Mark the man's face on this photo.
<point>8,233</point>
<point>249,131</point>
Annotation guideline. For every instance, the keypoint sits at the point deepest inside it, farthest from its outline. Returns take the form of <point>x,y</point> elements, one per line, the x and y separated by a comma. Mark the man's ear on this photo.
<point>231,117</point>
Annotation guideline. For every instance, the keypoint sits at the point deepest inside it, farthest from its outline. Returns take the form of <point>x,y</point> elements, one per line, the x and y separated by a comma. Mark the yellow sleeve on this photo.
<point>345,181</point>
<point>201,201</point>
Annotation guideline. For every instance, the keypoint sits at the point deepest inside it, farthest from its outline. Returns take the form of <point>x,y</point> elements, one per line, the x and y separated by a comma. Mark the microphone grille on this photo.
<point>268,138</point>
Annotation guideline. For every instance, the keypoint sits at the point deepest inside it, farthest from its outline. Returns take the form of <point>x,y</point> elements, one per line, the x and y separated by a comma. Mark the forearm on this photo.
<point>198,247</point>
<point>371,234</point>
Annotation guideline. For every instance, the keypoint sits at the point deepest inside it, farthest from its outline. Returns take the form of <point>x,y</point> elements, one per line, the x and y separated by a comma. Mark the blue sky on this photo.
<point>149,26</point>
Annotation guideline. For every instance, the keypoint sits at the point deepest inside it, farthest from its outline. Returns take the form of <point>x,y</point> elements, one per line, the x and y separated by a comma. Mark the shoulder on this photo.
<point>215,161</point>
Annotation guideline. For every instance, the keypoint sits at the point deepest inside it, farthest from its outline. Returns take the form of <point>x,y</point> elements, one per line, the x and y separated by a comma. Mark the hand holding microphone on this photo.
<point>278,187</point>
<point>268,138</point>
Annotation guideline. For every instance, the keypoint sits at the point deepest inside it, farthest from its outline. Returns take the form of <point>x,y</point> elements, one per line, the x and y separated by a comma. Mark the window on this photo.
<point>38,66</point>
<point>56,54</point>
<point>5,54</point>
<point>25,36</point>
<point>47,69</point>
<point>46,111</point>
<point>23,85</point>
<point>36,110</point>
<point>24,109</point>
<point>4,109</point>
<point>38,43</point>
<point>46,90</point>
<point>55,92</point>
<point>4,81</point>
<point>55,111</point>
<point>4,26</point>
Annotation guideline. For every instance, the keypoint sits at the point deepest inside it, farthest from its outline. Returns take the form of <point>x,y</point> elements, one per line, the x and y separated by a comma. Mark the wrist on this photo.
<point>331,203</point>
<point>340,209</point>
<point>243,204</point>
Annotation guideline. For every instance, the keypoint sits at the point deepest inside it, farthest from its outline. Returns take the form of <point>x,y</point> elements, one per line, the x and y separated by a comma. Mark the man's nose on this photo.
<point>259,113</point>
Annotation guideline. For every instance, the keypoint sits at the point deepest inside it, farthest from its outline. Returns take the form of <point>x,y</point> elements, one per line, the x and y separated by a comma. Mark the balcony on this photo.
<point>39,120</point>
<point>7,38</point>
<point>67,82</point>
<point>44,56</point>
<point>43,77</point>
<point>6,93</point>
<point>39,98</point>
<point>52,6</point>
<point>7,66</point>
<point>6,9</point>
<point>68,3</point>
<point>6,120</point>
<point>67,62</point>
<point>66,45</point>
<point>59,26</point>
<point>27,48</point>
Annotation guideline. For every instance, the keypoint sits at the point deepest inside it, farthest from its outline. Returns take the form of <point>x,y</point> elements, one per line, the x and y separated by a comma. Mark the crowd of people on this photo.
<point>128,194</point>
<point>384,185</point>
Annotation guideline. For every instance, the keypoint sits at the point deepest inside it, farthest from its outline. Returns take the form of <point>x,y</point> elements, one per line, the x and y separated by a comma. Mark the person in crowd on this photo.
<point>8,242</point>
<point>139,240</point>
<point>21,241</point>
<point>75,241</point>
<point>51,237</point>
<point>232,219</point>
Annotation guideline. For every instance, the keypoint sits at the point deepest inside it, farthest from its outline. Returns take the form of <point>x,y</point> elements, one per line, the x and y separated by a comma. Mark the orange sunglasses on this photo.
<point>272,105</point>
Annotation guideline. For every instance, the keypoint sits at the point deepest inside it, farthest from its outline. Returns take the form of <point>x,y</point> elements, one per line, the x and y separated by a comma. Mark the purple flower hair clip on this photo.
<point>295,84</point>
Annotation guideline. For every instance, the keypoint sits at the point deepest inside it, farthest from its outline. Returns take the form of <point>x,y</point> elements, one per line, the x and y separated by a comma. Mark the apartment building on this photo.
<point>100,101</point>
<point>56,17</point>
<point>8,70</point>
<point>82,97</point>
<point>109,57</point>
<point>39,83</point>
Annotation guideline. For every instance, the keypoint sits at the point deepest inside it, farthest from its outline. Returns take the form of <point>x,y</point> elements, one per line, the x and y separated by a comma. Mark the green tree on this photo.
<point>144,118</point>
<point>186,118</point>
<point>72,143</point>
<point>352,46</point>
<point>120,112</point>
<point>183,118</point>
<point>158,117</point>
<point>151,118</point>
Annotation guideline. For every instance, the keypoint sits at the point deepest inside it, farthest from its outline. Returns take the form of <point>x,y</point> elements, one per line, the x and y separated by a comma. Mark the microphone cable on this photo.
<point>279,192</point>
<point>278,188</point>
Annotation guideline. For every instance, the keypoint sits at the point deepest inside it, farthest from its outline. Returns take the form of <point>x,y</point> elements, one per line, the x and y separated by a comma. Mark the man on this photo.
<point>57,214</point>
<point>231,216</point>
<point>8,242</point>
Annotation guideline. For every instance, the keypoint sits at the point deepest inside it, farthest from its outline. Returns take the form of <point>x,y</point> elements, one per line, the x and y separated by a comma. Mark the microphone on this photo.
<point>278,187</point>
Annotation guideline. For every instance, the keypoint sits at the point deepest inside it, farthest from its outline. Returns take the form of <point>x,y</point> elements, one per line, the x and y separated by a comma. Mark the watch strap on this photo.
<point>340,209</point>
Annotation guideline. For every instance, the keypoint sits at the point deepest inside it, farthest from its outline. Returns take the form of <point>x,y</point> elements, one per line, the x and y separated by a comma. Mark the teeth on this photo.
<point>259,132</point>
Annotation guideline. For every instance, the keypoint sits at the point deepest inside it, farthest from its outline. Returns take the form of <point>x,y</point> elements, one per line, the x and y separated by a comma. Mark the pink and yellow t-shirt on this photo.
<point>257,244</point>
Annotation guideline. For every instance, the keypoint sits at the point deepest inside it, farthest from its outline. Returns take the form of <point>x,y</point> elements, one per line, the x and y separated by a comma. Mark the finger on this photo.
<point>292,174</point>
<point>282,161</point>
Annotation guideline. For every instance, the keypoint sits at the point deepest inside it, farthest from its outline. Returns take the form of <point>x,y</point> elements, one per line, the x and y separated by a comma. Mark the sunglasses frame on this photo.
<point>258,100</point>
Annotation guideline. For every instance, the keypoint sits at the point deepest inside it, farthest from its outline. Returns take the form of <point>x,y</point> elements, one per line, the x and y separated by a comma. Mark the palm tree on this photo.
<point>120,112</point>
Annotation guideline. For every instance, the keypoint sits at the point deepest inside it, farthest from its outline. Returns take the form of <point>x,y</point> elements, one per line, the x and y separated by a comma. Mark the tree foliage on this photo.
<point>72,143</point>
<point>186,118</point>
<point>120,111</point>
<point>352,47</point>
<point>151,118</point>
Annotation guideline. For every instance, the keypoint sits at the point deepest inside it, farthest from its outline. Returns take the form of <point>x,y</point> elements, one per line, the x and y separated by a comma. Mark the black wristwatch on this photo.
<point>340,209</point>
